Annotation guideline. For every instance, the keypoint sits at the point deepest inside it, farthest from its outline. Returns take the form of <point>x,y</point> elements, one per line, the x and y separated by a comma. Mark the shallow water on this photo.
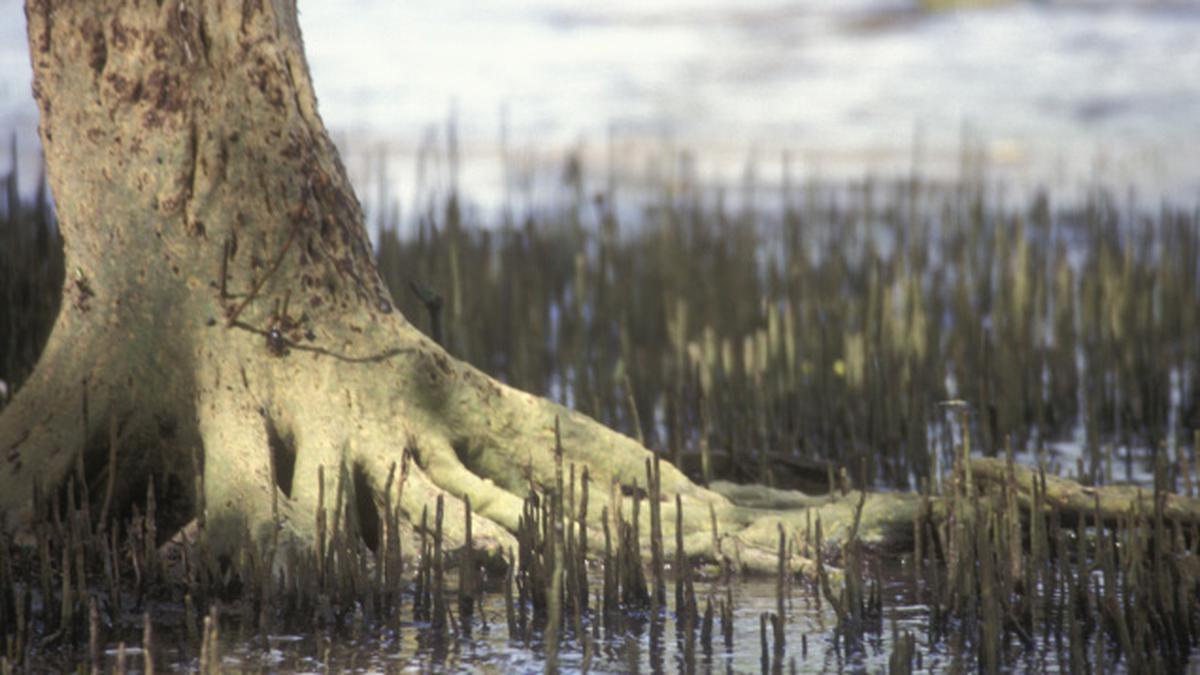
<point>811,640</point>
<point>809,635</point>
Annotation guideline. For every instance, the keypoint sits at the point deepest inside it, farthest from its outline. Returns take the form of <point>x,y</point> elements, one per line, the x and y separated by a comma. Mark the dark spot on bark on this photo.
<point>222,159</point>
<point>175,269</point>
<point>234,137</point>
<point>356,329</point>
<point>433,376</point>
<point>385,307</point>
<point>93,34</point>
<point>120,86</point>
<point>315,301</point>
<point>40,97</point>
<point>121,34</point>
<point>211,322</point>
<point>291,151</point>
<point>160,47</point>
<point>42,8</point>
<point>198,228</point>
<point>95,134</point>
<point>83,293</point>
<point>166,91</point>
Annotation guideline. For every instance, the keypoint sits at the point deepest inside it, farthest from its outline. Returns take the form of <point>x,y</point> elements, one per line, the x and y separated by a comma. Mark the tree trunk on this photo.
<point>223,326</point>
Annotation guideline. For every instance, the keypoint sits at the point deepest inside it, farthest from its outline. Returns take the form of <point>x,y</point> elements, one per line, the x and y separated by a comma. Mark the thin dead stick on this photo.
<point>262,280</point>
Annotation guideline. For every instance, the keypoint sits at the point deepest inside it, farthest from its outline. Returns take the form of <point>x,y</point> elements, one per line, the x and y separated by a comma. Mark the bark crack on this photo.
<point>189,189</point>
<point>301,109</point>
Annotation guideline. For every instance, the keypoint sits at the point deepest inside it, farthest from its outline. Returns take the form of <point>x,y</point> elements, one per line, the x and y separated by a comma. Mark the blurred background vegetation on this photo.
<point>776,336</point>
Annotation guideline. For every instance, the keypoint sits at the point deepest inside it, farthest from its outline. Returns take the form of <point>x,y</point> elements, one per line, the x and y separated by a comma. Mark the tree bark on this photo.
<point>223,323</point>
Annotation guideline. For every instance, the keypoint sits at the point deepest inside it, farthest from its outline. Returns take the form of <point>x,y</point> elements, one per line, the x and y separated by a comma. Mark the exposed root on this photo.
<point>1073,500</point>
<point>506,447</point>
<point>278,461</point>
<point>240,490</point>
<point>68,406</point>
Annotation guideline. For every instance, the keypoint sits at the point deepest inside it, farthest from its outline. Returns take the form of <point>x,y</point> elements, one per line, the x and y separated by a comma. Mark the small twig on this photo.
<point>224,267</point>
<point>262,280</point>
<point>372,358</point>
